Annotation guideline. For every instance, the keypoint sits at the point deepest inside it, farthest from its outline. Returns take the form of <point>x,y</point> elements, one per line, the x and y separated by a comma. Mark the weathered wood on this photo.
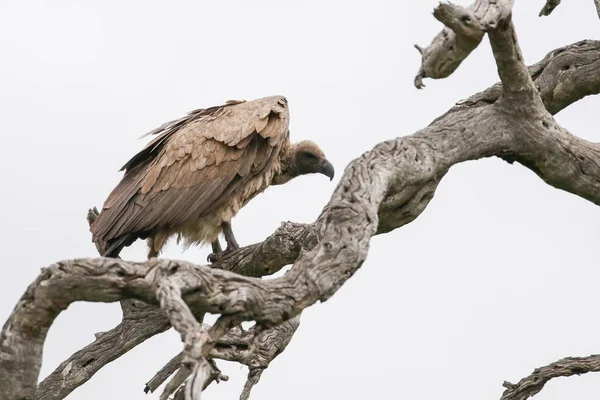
<point>548,7</point>
<point>464,30</point>
<point>534,383</point>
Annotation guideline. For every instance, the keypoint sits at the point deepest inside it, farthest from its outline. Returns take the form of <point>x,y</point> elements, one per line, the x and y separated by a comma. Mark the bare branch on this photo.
<point>564,76</point>
<point>254,375</point>
<point>468,26</point>
<point>535,382</point>
<point>163,374</point>
<point>268,257</point>
<point>216,374</point>
<point>197,339</point>
<point>464,30</point>
<point>249,347</point>
<point>517,85</point>
<point>549,7</point>
<point>177,383</point>
<point>108,346</point>
<point>213,372</point>
<point>552,4</point>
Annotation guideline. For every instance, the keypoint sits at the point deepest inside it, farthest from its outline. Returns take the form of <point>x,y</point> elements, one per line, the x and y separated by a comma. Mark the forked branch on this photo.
<point>465,27</point>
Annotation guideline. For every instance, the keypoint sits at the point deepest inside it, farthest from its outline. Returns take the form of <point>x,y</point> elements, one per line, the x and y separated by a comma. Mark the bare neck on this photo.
<point>288,168</point>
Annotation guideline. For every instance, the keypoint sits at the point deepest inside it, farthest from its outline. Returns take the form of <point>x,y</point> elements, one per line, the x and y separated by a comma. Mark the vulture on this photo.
<point>199,171</point>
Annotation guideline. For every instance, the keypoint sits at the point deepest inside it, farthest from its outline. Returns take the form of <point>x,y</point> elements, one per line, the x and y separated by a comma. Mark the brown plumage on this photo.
<point>199,171</point>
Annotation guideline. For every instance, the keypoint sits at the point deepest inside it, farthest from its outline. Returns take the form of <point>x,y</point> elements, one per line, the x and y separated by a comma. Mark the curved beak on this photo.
<point>327,169</point>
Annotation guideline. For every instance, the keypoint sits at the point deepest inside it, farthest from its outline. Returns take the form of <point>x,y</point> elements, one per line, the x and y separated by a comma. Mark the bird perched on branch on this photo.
<point>199,171</point>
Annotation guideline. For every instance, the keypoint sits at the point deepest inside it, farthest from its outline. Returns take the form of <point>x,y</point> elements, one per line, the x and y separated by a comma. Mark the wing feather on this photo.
<point>191,167</point>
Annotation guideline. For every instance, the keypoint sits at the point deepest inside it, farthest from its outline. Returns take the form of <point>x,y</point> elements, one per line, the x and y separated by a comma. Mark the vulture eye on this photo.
<point>310,156</point>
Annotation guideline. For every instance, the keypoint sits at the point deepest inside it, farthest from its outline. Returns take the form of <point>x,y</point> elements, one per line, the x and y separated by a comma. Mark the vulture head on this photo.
<point>303,158</point>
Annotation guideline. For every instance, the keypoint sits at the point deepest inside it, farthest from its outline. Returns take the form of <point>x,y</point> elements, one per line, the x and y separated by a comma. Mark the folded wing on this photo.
<point>191,168</point>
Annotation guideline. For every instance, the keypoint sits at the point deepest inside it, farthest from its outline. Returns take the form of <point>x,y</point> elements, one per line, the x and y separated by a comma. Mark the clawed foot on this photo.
<point>213,257</point>
<point>232,244</point>
<point>216,256</point>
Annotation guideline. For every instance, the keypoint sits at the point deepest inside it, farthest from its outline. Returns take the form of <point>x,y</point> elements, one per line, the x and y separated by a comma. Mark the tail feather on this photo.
<point>111,248</point>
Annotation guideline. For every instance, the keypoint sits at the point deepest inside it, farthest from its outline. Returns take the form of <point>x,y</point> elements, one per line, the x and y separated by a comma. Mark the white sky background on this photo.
<point>498,276</point>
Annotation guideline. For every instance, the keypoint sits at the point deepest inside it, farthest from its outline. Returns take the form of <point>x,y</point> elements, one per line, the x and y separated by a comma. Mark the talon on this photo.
<point>212,257</point>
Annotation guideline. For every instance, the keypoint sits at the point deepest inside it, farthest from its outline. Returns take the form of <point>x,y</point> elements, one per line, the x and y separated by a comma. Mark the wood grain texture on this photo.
<point>534,383</point>
<point>464,30</point>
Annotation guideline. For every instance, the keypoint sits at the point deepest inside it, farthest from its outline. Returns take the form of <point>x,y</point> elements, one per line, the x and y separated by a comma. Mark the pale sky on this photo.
<point>497,277</point>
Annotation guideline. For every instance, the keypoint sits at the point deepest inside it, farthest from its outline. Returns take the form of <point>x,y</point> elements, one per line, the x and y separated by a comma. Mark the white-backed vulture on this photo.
<point>199,171</point>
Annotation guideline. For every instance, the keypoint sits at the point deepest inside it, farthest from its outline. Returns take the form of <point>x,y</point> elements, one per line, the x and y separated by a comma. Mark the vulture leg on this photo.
<point>216,250</point>
<point>152,253</point>
<point>232,244</point>
<point>216,246</point>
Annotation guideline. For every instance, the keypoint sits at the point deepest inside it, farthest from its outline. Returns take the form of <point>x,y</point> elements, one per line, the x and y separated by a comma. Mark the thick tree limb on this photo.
<point>535,382</point>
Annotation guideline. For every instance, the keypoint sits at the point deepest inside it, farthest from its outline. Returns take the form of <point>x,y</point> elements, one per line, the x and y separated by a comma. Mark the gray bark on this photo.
<point>549,7</point>
<point>384,189</point>
<point>135,328</point>
<point>552,4</point>
<point>534,383</point>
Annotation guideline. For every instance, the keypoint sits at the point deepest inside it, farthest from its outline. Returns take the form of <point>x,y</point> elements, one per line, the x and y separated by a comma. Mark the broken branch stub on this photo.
<point>464,30</point>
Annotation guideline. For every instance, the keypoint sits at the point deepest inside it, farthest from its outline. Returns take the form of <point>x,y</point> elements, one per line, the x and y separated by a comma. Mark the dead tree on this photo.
<point>384,189</point>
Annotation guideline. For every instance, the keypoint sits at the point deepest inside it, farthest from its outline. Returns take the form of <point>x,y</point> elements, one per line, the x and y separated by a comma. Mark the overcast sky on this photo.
<point>498,276</point>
